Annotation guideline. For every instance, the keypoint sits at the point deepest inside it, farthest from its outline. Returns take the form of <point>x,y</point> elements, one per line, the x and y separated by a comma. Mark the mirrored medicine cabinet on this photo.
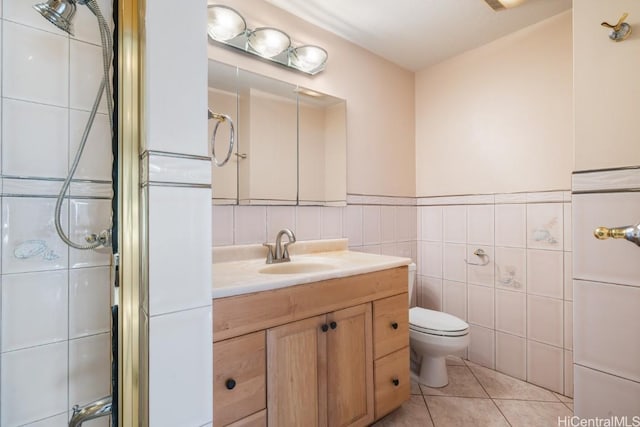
<point>290,141</point>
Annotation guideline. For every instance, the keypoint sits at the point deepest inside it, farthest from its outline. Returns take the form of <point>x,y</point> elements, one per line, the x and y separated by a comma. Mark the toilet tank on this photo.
<point>412,284</point>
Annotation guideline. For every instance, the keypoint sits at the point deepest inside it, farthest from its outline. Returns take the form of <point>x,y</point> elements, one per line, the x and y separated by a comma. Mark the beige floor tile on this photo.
<point>462,383</point>
<point>569,405</point>
<point>455,361</point>
<point>464,412</point>
<point>563,398</point>
<point>412,414</point>
<point>501,386</point>
<point>533,414</point>
<point>415,388</point>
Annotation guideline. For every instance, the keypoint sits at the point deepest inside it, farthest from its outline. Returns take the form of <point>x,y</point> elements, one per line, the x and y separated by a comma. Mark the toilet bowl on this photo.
<point>433,335</point>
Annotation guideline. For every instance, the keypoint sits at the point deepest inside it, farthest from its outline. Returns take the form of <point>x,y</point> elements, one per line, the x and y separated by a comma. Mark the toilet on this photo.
<point>434,335</point>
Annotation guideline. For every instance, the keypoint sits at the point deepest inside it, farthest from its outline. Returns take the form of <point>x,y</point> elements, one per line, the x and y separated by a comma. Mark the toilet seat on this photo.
<point>436,323</point>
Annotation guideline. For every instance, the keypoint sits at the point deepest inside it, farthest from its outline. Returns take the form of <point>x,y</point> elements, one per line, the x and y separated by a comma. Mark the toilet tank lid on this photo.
<point>435,320</point>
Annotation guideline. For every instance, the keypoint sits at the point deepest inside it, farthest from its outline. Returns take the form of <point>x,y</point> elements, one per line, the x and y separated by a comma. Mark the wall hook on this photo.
<point>620,31</point>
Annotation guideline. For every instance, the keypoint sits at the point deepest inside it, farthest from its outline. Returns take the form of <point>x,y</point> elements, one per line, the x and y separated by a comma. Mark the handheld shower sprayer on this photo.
<point>61,13</point>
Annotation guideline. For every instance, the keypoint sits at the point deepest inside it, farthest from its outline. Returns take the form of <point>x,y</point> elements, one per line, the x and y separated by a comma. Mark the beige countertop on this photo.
<point>239,272</point>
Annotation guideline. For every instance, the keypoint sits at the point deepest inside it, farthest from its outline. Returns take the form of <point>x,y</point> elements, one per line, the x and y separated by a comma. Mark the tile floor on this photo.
<point>479,397</point>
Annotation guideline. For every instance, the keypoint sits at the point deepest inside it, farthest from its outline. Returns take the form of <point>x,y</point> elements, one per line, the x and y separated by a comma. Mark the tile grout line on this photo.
<point>487,393</point>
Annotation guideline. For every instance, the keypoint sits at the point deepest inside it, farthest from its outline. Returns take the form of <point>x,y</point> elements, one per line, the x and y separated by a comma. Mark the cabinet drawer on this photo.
<point>392,382</point>
<point>239,378</point>
<point>390,325</point>
<point>256,420</point>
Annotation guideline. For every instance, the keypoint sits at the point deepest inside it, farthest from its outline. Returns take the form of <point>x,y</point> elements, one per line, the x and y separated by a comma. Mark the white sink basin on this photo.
<point>294,267</point>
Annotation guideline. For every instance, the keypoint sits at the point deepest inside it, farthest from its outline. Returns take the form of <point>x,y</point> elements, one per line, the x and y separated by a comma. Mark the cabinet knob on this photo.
<point>396,382</point>
<point>333,325</point>
<point>231,383</point>
<point>324,327</point>
<point>394,325</point>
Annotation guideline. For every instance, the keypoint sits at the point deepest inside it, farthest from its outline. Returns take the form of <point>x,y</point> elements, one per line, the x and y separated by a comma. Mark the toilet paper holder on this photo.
<point>480,253</point>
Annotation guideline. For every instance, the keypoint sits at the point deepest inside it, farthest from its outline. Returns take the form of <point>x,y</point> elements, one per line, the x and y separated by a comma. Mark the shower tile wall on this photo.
<point>375,224</point>
<point>606,296</point>
<point>55,317</point>
<point>518,301</point>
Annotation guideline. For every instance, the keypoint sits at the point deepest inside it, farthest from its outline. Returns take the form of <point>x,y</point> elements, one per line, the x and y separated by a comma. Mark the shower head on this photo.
<point>59,13</point>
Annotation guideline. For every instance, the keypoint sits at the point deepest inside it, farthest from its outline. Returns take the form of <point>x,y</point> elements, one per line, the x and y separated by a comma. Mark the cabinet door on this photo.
<point>350,367</point>
<point>297,374</point>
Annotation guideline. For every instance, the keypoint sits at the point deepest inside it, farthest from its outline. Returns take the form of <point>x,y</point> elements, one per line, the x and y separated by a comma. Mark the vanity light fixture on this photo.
<point>498,5</point>
<point>228,27</point>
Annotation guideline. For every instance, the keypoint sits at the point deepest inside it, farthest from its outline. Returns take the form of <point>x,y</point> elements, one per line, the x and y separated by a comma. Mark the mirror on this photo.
<point>290,141</point>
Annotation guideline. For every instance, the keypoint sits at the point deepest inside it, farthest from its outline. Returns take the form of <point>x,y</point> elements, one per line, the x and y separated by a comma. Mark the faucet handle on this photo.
<point>270,252</point>
<point>285,251</point>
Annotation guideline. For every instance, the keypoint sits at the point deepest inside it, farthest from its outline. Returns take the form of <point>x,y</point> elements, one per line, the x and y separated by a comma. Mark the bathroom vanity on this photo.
<point>332,350</point>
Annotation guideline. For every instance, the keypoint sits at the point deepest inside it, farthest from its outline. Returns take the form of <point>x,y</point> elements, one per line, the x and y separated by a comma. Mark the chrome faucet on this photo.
<point>279,252</point>
<point>96,409</point>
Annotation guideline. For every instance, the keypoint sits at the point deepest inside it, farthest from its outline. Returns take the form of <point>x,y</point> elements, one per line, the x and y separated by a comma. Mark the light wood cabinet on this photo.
<point>333,350</point>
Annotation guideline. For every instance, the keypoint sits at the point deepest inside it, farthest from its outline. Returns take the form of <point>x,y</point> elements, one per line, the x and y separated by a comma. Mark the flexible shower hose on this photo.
<point>107,51</point>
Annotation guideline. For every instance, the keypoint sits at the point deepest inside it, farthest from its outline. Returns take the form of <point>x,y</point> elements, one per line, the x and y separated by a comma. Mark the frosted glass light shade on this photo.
<point>269,42</point>
<point>308,58</point>
<point>224,23</point>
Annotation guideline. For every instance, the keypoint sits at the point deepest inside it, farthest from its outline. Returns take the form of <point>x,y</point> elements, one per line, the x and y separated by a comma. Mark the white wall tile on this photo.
<point>56,421</point>
<point>454,266</point>
<point>480,225</point>
<point>308,222</point>
<point>406,249</point>
<point>610,261</point>
<point>511,309</point>
<point>387,224</point>
<point>545,366</point>
<point>430,292</point>
<point>89,369</point>
<point>454,298</point>
<point>29,238</point>
<point>168,60</point>
<point>510,271</point>
<point>34,384</point>
<point>597,394</point>
<point>482,346</point>
<point>250,224</point>
<point>179,248</point>
<point>85,71</point>
<point>511,355</point>
<point>29,150</point>
<point>390,249</point>
<point>22,12</point>
<point>480,306</point>
<point>432,223</point>
<point>455,224</point>
<point>85,24</point>
<point>34,309</point>
<point>545,320</point>
<point>89,301</point>
<point>371,225</point>
<point>568,276</point>
<point>26,53</point>
<point>352,223</point>
<point>481,274</point>
<point>88,217</point>
<point>431,259</point>
<point>568,325</point>
<point>606,319</point>
<point>222,225</point>
<point>568,240</point>
<point>175,169</point>
<point>545,275</point>
<point>180,368</point>
<point>545,226</point>
<point>406,222</point>
<point>279,218</point>
<point>97,158</point>
<point>331,222</point>
<point>510,225</point>
<point>370,249</point>
<point>568,373</point>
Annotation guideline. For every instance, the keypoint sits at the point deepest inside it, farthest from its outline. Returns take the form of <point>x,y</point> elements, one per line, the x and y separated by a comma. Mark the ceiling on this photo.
<point>416,34</point>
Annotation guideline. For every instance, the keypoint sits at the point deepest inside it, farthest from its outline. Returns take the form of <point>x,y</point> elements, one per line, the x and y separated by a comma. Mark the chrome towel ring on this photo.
<point>221,118</point>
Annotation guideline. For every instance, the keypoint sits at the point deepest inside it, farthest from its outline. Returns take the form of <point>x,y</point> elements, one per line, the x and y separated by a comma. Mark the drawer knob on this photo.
<point>333,325</point>
<point>394,325</point>
<point>325,327</point>
<point>396,382</point>
<point>231,383</point>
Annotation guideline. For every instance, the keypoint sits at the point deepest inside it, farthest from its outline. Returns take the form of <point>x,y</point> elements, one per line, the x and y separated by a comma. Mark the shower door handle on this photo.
<point>628,232</point>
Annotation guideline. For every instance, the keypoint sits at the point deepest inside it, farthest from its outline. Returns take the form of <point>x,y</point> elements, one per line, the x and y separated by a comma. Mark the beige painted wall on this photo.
<point>607,86</point>
<point>379,94</point>
<point>498,118</point>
